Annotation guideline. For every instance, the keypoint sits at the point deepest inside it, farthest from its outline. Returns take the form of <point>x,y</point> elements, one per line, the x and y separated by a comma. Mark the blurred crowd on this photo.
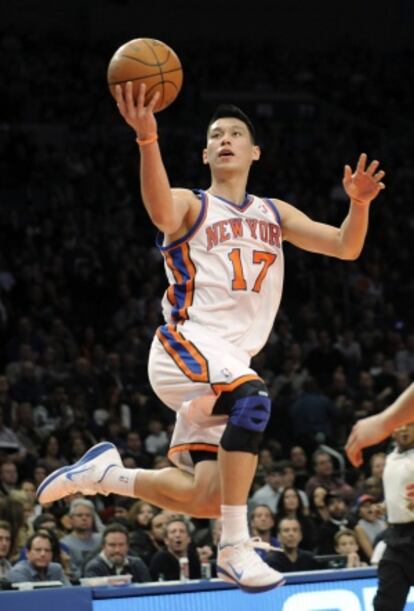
<point>80,288</point>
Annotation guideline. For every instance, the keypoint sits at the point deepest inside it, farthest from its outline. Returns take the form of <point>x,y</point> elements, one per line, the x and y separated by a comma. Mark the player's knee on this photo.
<point>248,407</point>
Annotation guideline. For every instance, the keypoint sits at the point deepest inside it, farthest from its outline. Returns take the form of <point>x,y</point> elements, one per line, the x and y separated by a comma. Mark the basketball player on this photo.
<point>374,429</point>
<point>224,263</point>
<point>396,567</point>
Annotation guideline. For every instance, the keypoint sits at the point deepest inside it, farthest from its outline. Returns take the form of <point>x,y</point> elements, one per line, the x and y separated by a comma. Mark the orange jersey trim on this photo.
<point>186,348</point>
<point>193,447</point>
<point>223,387</point>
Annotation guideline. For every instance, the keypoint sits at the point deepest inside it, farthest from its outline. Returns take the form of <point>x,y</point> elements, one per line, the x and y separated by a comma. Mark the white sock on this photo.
<point>119,480</point>
<point>234,524</point>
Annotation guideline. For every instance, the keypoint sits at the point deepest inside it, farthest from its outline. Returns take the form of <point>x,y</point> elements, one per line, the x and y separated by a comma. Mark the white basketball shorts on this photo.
<point>188,368</point>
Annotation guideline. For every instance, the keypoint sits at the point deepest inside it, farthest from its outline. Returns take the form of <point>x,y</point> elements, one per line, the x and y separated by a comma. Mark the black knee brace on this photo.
<point>248,408</point>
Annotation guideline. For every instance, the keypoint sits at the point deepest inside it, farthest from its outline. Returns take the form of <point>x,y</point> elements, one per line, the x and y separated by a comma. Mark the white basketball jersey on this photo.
<point>226,274</point>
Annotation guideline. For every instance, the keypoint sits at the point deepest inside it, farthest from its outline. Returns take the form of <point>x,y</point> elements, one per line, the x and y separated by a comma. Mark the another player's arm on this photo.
<point>374,429</point>
<point>167,208</point>
<point>346,241</point>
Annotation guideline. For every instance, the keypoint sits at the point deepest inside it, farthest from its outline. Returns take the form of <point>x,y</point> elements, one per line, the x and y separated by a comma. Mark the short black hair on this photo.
<point>230,110</point>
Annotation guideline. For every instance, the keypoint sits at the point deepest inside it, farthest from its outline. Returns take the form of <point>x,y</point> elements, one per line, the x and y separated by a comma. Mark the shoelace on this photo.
<point>257,543</point>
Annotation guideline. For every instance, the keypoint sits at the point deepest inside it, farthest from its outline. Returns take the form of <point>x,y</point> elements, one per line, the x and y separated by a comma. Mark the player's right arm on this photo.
<point>169,209</point>
<point>374,429</point>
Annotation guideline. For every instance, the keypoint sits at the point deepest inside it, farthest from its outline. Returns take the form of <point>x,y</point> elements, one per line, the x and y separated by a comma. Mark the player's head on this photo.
<point>229,111</point>
<point>404,436</point>
<point>230,141</point>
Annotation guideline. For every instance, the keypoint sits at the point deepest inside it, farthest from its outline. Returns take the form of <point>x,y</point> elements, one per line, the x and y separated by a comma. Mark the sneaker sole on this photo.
<point>97,450</point>
<point>249,589</point>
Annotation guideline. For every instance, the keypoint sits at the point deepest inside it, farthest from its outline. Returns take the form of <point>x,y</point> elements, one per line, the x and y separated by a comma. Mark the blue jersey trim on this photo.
<point>246,202</point>
<point>274,209</point>
<point>160,236</point>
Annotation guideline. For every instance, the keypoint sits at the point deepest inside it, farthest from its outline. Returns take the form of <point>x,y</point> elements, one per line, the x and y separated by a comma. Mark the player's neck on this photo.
<point>234,190</point>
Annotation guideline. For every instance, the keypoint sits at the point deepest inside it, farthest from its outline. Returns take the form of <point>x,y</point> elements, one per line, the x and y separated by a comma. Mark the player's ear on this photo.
<point>205,158</point>
<point>256,152</point>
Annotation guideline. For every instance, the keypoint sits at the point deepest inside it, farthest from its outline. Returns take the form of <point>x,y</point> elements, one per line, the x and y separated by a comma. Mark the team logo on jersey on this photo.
<point>227,373</point>
<point>263,208</point>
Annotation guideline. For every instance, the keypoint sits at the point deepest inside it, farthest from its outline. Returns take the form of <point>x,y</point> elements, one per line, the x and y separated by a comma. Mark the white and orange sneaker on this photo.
<point>84,476</point>
<point>240,564</point>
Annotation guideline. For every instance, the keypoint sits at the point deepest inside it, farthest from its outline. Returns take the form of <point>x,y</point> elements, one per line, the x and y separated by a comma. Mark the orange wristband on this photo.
<point>149,140</point>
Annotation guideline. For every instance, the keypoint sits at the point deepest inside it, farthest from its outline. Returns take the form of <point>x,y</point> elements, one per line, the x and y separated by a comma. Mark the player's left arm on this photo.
<point>346,241</point>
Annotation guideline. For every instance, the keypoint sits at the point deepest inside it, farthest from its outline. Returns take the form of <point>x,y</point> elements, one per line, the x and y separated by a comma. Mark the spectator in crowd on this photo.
<point>38,565</point>
<point>9,477</point>
<point>289,480</point>
<point>157,441</point>
<point>141,542</point>
<point>292,558</point>
<point>318,510</point>
<point>313,416</point>
<point>262,525</point>
<point>7,405</point>
<point>369,525</point>
<point>5,545</point>
<point>82,542</point>
<point>11,449</point>
<point>133,449</point>
<point>113,559</point>
<point>299,460</point>
<point>51,453</point>
<point>326,477</point>
<point>165,564</point>
<point>290,505</point>
<point>337,520</point>
<point>346,544</point>
<point>269,493</point>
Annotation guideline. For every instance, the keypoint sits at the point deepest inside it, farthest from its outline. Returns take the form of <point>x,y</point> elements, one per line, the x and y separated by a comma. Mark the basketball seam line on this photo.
<point>159,68</point>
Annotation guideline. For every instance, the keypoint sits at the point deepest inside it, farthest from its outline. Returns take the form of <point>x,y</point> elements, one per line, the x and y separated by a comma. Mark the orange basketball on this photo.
<point>149,61</point>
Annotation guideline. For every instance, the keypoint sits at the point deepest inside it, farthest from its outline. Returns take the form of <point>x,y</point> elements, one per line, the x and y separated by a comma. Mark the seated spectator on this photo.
<point>292,558</point>
<point>289,481</point>
<point>51,453</point>
<point>325,476</point>
<point>113,559</point>
<point>270,492</point>
<point>165,564</point>
<point>337,520</point>
<point>318,510</point>
<point>346,544</point>
<point>82,542</point>
<point>11,449</point>
<point>157,441</point>
<point>9,477</point>
<point>141,543</point>
<point>290,505</point>
<point>38,565</point>
<point>369,525</point>
<point>299,460</point>
<point>133,449</point>
<point>5,545</point>
<point>262,524</point>
<point>12,511</point>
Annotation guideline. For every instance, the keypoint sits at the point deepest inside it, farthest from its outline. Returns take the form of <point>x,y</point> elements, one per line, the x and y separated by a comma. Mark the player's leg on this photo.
<point>101,471</point>
<point>393,586</point>
<point>248,406</point>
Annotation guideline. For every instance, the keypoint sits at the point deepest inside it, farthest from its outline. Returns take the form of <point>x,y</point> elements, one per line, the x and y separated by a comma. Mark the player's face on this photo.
<point>404,436</point>
<point>229,145</point>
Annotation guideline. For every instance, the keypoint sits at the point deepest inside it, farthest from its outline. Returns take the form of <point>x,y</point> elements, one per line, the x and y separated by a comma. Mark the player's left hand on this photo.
<point>366,432</point>
<point>409,492</point>
<point>365,183</point>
